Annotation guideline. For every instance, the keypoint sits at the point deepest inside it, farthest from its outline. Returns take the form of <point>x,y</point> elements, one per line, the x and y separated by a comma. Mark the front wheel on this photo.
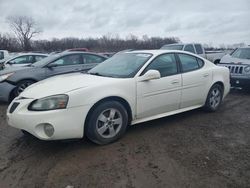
<point>21,86</point>
<point>214,98</point>
<point>107,123</point>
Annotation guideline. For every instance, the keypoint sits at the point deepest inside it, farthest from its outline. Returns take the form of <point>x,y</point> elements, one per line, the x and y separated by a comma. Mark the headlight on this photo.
<point>247,69</point>
<point>5,76</point>
<point>49,103</point>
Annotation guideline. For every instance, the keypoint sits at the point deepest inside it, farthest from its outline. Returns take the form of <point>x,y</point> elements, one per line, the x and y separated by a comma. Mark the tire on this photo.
<point>107,123</point>
<point>21,86</point>
<point>214,98</point>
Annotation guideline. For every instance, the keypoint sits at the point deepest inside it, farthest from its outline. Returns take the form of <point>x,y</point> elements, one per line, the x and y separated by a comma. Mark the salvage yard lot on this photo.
<point>192,149</point>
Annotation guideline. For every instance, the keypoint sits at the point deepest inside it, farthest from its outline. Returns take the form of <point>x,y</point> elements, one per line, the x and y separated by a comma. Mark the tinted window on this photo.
<point>188,63</point>
<point>68,60</point>
<point>242,53</point>
<point>165,64</point>
<point>198,48</point>
<point>22,60</point>
<point>189,48</point>
<point>200,62</point>
<point>89,59</point>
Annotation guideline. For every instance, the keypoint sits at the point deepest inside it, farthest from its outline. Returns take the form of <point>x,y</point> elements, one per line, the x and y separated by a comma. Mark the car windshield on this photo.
<point>172,47</point>
<point>121,65</point>
<point>242,53</point>
<point>45,60</point>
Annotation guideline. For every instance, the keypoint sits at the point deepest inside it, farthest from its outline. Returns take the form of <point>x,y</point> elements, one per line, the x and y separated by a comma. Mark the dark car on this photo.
<point>14,80</point>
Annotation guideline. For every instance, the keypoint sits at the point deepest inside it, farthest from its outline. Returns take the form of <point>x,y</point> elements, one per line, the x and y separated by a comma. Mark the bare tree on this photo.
<point>25,28</point>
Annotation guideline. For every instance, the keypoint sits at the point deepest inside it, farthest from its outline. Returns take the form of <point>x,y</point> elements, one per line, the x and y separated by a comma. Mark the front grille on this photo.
<point>235,69</point>
<point>13,107</point>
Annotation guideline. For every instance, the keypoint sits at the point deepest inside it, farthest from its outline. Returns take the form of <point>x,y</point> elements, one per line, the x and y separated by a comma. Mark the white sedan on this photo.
<point>127,89</point>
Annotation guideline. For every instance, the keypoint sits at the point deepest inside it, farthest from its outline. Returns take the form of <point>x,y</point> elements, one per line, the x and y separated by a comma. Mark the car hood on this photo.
<point>63,84</point>
<point>230,59</point>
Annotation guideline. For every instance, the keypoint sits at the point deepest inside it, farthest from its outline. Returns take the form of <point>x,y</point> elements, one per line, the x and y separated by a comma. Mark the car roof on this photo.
<point>30,53</point>
<point>248,47</point>
<point>78,52</point>
<point>160,51</point>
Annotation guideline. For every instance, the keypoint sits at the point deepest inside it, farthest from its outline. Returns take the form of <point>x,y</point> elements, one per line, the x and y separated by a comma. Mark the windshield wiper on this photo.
<point>95,73</point>
<point>98,74</point>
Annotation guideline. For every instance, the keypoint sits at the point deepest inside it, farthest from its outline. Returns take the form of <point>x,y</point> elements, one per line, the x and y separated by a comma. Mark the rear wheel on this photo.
<point>107,123</point>
<point>214,98</point>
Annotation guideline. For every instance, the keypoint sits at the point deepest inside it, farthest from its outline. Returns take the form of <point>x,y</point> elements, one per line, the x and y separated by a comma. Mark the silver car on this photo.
<point>14,80</point>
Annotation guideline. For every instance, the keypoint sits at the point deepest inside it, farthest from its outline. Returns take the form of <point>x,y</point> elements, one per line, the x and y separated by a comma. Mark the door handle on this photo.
<point>175,82</point>
<point>205,75</point>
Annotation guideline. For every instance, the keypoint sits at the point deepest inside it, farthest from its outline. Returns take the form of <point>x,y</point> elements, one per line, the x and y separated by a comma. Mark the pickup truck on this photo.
<point>238,63</point>
<point>196,48</point>
<point>4,54</point>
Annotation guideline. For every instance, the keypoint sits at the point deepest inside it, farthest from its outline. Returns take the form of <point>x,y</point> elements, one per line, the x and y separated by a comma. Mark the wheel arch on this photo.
<point>111,98</point>
<point>219,83</point>
<point>11,95</point>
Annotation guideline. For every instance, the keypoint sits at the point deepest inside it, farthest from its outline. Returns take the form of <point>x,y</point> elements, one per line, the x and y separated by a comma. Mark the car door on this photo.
<point>66,64</point>
<point>195,80</point>
<point>160,95</point>
<point>91,60</point>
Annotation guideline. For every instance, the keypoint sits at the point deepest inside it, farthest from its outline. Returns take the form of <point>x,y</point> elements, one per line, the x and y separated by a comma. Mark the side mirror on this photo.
<point>51,65</point>
<point>10,63</point>
<point>150,75</point>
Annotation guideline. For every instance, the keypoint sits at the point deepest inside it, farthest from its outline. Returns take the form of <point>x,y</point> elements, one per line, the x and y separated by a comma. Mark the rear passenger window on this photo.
<point>200,62</point>
<point>189,48</point>
<point>189,63</point>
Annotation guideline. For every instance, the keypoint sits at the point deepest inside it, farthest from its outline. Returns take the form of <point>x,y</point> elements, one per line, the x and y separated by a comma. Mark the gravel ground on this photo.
<point>192,149</point>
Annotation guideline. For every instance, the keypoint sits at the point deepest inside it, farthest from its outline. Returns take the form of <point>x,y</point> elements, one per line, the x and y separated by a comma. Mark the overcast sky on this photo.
<point>212,22</point>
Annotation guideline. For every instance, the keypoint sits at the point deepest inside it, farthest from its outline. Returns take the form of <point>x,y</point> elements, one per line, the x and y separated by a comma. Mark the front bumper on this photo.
<point>240,82</point>
<point>67,123</point>
<point>5,90</point>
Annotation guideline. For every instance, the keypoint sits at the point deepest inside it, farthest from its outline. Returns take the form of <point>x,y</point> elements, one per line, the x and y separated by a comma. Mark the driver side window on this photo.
<point>68,60</point>
<point>165,64</point>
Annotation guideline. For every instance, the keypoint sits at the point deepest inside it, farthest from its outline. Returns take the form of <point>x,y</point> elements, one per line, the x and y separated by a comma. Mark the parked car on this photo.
<point>196,48</point>
<point>23,60</point>
<point>14,80</point>
<point>128,88</point>
<point>238,63</point>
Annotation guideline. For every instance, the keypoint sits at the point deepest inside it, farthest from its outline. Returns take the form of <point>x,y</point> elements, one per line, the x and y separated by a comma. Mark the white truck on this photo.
<point>196,48</point>
<point>4,54</point>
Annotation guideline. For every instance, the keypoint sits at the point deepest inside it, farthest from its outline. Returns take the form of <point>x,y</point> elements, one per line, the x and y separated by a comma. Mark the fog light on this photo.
<point>48,129</point>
